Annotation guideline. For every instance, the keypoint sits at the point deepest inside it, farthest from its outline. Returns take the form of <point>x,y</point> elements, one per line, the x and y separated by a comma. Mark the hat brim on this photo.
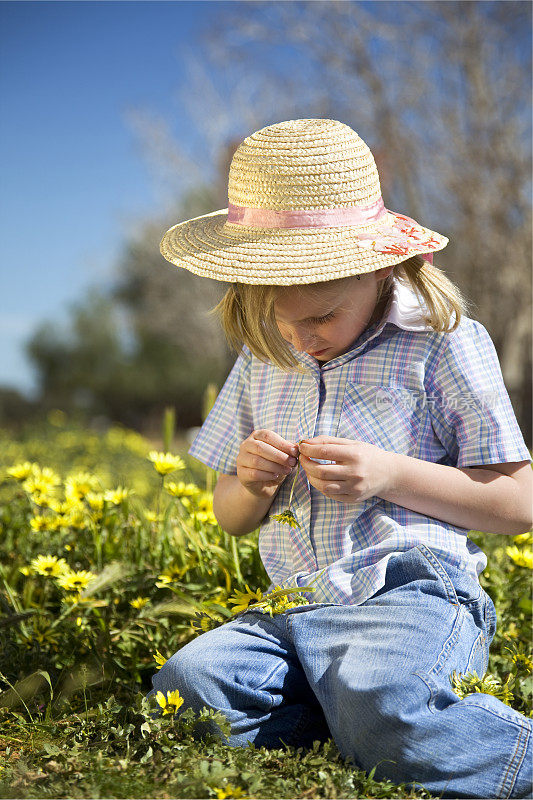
<point>212,247</point>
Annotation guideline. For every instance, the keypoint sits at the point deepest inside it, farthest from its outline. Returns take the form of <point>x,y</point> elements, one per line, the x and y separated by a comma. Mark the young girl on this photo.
<point>356,356</point>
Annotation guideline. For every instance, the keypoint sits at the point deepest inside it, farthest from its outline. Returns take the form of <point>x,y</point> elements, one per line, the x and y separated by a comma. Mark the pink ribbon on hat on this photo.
<point>320,218</point>
<point>308,218</point>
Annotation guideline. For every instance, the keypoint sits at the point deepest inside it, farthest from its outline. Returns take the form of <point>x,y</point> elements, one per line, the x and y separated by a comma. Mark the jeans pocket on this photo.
<point>478,659</point>
<point>483,614</point>
<point>461,587</point>
<point>467,645</point>
<point>491,621</point>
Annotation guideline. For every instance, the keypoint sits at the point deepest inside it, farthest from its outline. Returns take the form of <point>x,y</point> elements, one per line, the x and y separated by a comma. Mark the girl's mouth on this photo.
<point>318,352</point>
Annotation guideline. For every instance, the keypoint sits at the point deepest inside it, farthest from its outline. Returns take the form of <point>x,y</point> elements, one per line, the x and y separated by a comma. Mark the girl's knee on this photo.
<point>186,671</point>
<point>190,674</point>
<point>378,719</point>
<point>169,677</point>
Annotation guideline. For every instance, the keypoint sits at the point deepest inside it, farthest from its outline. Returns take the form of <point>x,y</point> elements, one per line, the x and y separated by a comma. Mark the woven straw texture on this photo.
<point>300,164</point>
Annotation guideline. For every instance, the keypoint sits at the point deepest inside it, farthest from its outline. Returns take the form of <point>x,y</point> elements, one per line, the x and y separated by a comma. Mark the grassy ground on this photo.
<point>108,566</point>
<point>103,758</point>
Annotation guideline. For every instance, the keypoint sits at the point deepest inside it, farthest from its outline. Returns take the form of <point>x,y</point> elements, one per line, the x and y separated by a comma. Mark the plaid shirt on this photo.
<point>401,386</point>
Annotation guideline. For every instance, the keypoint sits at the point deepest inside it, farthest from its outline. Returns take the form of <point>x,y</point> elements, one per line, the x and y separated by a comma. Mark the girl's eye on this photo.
<point>327,317</point>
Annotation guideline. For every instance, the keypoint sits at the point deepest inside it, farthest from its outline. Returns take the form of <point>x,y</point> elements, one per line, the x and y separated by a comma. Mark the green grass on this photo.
<point>107,756</point>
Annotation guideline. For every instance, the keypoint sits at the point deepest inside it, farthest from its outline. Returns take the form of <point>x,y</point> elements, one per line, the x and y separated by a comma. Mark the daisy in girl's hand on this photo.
<point>287,517</point>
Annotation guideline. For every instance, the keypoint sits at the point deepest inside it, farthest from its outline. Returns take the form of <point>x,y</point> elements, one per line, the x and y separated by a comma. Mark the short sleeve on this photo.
<point>229,422</point>
<point>470,409</point>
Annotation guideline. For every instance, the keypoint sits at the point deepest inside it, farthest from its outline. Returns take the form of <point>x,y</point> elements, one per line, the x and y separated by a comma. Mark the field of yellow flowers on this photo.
<point>110,561</point>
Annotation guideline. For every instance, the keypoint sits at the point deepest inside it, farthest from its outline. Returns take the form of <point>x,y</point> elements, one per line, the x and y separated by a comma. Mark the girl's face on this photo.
<point>326,321</point>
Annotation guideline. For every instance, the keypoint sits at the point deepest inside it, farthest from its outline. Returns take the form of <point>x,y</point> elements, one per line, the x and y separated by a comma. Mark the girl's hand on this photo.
<point>264,461</point>
<point>361,470</point>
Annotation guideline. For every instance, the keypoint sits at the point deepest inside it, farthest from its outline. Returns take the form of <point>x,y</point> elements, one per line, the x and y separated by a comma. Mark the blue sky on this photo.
<point>73,172</point>
<point>75,179</point>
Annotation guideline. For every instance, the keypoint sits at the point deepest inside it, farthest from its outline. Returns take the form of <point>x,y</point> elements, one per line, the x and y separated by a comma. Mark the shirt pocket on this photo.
<point>386,416</point>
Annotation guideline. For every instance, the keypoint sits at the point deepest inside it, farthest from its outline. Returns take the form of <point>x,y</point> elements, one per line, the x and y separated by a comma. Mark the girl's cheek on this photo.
<point>284,333</point>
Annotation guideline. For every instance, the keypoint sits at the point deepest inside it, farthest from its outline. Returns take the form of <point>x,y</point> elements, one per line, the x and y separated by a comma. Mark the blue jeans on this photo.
<point>375,677</point>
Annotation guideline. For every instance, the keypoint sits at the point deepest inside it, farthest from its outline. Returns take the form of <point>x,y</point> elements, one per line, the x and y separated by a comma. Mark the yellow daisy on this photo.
<point>205,502</point>
<point>286,518</point>
<point>43,500</point>
<point>206,517</point>
<point>41,523</point>
<point>76,581</point>
<point>171,703</point>
<point>519,657</point>
<point>71,599</point>
<point>522,558</point>
<point>78,485</point>
<point>172,573</point>
<point>204,622</point>
<point>182,489</point>
<point>151,516</point>
<point>165,463</point>
<point>41,637</point>
<point>21,471</point>
<point>139,602</point>
<point>76,519</point>
<point>524,538</point>
<point>116,496</point>
<point>95,501</point>
<point>72,504</point>
<point>470,683</point>
<point>159,659</point>
<point>37,490</point>
<point>241,600</point>
<point>202,508</point>
<point>230,791</point>
<point>41,481</point>
<point>49,566</point>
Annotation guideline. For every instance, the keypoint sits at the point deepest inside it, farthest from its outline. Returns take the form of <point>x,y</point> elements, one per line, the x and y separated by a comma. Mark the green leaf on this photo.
<point>147,756</point>
<point>25,689</point>
<point>525,603</point>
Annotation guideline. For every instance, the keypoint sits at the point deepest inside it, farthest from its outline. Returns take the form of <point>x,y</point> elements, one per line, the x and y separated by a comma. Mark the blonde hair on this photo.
<point>246,311</point>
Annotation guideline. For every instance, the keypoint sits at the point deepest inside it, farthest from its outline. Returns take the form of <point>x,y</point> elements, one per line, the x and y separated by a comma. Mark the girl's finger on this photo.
<point>341,453</point>
<point>272,440</point>
<point>323,472</point>
<point>258,475</point>
<point>270,453</point>
<point>255,462</point>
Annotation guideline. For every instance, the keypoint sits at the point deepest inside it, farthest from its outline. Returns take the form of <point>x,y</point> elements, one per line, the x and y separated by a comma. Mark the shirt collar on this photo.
<point>405,309</point>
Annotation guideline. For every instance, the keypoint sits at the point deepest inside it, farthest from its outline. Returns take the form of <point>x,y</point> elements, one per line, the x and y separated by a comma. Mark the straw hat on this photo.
<point>304,206</point>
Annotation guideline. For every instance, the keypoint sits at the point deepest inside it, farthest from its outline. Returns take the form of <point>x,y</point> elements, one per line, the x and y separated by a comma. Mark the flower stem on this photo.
<point>294,483</point>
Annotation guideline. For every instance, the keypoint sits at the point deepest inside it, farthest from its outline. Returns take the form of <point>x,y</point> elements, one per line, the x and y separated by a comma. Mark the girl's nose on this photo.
<point>301,341</point>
